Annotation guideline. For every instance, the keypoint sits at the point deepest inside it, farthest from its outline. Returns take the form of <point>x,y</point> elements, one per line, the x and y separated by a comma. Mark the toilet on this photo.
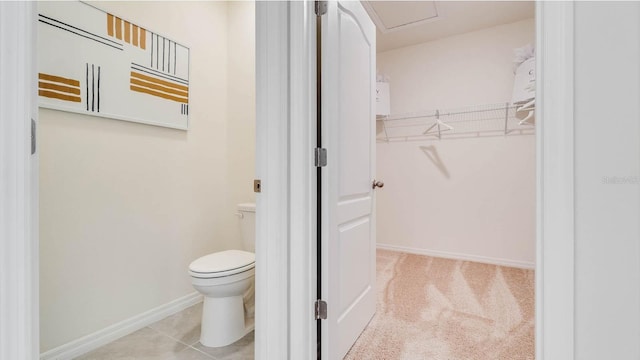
<point>226,280</point>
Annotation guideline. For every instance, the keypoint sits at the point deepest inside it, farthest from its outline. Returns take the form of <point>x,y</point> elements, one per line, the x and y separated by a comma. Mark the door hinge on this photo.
<point>33,136</point>
<point>321,7</point>
<point>321,309</point>
<point>320,157</point>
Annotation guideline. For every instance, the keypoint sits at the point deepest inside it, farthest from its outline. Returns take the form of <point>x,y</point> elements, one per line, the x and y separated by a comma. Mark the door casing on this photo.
<point>19,290</point>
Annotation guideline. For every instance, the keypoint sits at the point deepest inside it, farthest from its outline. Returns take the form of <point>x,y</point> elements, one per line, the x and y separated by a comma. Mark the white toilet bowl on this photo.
<point>225,279</point>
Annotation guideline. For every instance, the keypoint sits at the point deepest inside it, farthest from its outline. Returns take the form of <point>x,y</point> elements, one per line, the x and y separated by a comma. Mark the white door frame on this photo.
<point>286,207</point>
<point>286,283</point>
<point>555,207</point>
<point>19,323</point>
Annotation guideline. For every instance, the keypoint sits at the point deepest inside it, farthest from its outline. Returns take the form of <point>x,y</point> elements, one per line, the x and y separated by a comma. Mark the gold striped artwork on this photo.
<point>117,69</point>
<point>154,86</point>
<point>135,35</point>
<point>110,26</point>
<point>143,38</point>
<point>58,87</point>
<point>127,32</point>
<point>124,30</point>
<point>119,28</point>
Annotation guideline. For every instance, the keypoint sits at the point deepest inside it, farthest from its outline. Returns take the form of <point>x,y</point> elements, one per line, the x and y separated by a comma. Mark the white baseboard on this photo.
<point>460,256</point>
<point>102,337</point>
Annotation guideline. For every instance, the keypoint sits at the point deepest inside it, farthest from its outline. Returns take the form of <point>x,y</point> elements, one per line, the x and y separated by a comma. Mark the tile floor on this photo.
<point>174,338</point>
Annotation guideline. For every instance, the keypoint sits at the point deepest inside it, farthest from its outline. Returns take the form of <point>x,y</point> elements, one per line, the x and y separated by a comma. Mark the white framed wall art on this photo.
<point>96,63</point>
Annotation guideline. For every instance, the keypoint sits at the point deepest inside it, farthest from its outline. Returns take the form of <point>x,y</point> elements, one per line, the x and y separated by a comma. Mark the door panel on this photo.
<point>348,133</point>
<point>354,280</point>
<point>354,106</point>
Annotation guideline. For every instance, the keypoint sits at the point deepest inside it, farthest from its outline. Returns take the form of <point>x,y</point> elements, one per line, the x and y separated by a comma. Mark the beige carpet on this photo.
<point>440,309</point>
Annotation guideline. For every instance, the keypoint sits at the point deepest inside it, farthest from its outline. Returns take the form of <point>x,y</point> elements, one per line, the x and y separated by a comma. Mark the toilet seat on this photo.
<point>222,264</point>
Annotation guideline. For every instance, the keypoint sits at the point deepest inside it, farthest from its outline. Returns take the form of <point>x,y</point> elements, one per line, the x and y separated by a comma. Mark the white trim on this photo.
<point>102,337</point>
<point>285,221</point>
<point>459,256</point>
<point>19,323</point>
<point>555,181</point>
<point>302,134</point>
<point>272,168</point>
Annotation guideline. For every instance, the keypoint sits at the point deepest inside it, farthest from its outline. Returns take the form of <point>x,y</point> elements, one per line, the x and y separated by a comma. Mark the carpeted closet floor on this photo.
<point>439,309</point>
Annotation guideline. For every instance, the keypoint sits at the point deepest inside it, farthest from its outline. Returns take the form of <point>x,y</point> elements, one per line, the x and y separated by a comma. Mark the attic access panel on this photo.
<point>390,16</point>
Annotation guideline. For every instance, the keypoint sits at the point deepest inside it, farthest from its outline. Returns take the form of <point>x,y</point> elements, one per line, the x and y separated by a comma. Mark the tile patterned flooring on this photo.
<point>173,338</point>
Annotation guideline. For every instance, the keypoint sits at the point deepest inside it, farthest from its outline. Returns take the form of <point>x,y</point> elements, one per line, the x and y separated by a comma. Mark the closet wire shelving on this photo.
<point>472,121</point>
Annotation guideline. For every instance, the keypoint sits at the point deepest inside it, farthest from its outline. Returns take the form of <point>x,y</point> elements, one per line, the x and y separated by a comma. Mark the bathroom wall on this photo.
<point>241,99</point>
<point>125,207</point>
<point>470,198</point>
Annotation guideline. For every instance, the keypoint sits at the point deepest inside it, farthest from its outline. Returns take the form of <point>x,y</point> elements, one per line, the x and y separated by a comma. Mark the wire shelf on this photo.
<point>472,121</point>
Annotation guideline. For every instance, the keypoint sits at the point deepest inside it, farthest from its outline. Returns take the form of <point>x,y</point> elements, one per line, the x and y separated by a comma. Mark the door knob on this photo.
<point>377,183</point>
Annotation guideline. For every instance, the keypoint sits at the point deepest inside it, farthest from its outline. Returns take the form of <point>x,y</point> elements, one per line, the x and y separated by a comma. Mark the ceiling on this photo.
<point>405,23</point>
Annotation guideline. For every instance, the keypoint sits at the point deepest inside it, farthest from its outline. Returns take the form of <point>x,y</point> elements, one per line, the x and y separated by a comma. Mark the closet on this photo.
<point>455,145</point>
<point>455,148</point>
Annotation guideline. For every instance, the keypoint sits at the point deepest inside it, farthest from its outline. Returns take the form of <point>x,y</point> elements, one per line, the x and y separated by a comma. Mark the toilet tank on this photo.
<point>248,226</point>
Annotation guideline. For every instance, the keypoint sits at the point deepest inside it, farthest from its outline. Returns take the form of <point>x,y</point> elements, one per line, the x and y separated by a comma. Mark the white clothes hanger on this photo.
<point>439,124</point>
<point>527,118</point>
<point>527,106</point>
<point>530,107</point>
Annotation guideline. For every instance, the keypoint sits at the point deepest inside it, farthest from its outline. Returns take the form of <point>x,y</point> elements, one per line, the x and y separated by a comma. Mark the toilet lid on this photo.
<point>223,261</point>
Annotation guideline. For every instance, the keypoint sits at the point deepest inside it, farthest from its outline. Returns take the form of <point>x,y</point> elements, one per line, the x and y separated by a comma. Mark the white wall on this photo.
<point>241,99</point>
<point>472,198</point>
<point>607,214</point>
<point>126,207</point>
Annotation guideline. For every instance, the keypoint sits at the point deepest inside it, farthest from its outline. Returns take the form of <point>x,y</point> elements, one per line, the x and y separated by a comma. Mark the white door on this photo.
<point>348,49</point>
<point>18,182</point>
